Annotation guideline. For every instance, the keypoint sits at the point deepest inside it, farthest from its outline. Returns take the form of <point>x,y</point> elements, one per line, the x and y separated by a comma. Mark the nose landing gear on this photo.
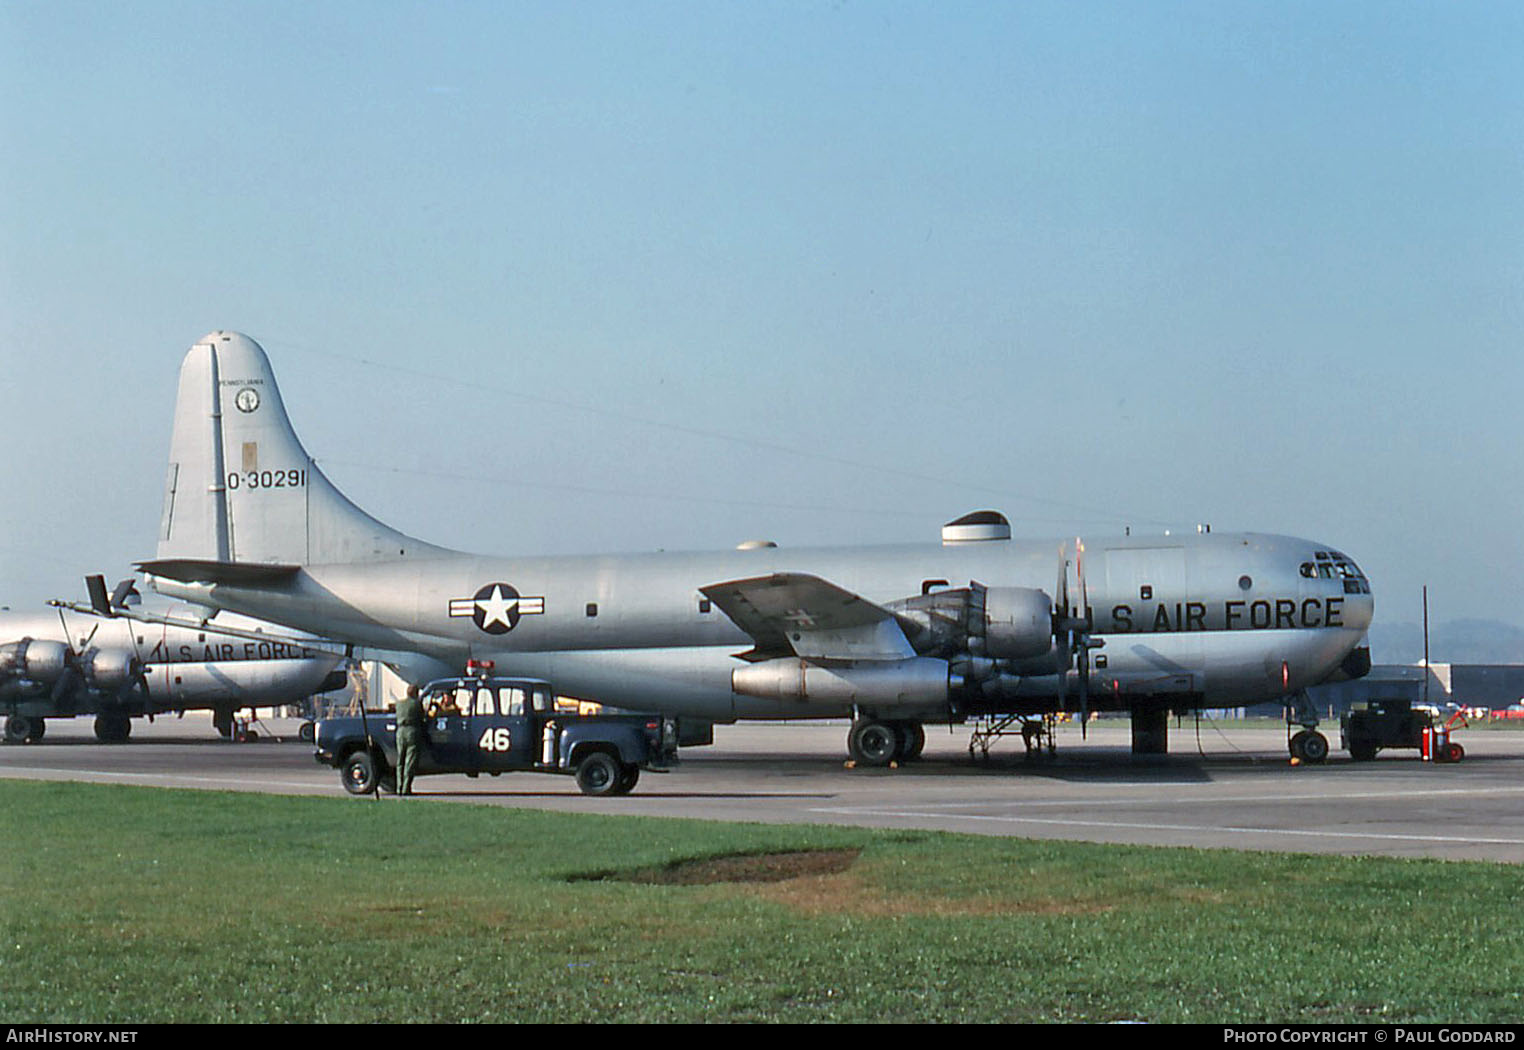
<point>1307,746</point>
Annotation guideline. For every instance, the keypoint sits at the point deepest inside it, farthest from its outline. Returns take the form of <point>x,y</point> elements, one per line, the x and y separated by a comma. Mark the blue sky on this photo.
<point>594,277</point>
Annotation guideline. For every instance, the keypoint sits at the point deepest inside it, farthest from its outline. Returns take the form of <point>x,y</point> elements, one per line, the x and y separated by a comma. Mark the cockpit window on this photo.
<point>1331,565</point>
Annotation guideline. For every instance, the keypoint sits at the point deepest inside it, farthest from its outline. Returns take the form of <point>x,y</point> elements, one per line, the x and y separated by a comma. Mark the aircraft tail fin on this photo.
<point>241,488</point>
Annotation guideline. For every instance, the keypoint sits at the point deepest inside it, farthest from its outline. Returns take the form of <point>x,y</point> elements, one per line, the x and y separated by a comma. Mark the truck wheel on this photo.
<point>598,774</point>
<point>1454,752</point>
<point>628,778</point>
<point>1362,752</point>
<point>358,774</point>
<point>18,730</point>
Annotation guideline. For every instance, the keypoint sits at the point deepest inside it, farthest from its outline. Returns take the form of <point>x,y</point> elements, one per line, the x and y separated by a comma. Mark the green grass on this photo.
<point>136,905</point>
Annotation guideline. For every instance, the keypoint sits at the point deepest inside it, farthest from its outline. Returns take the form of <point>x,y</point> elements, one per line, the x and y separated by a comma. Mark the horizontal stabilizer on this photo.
<point>192,570</point>
<point>809,617</point>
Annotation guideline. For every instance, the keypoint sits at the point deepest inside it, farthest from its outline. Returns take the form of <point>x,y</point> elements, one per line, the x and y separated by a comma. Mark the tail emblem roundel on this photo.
<point>496,608</point>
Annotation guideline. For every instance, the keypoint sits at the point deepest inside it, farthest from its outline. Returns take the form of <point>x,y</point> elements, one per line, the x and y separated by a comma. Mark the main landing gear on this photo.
<point>112,727</point>
<point>21,729</point>
<point>871,742</point>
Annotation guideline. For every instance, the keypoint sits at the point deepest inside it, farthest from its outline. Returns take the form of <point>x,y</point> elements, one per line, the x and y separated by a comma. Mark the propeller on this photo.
<point>137,669</point>
<point>1072,627</point>
<point>73,675</point>
<point>101,669</point>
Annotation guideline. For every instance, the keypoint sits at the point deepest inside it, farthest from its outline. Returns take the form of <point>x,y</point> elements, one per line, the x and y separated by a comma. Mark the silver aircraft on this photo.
<point>977,624</point>
<point>71,662</point>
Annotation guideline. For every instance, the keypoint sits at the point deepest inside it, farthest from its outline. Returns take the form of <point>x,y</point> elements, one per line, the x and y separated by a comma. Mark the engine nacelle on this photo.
<point>1018,623</point>
<point>918,682</point>
<point>110,669</point>
<point>35,658</point>
<point>1001,623</point>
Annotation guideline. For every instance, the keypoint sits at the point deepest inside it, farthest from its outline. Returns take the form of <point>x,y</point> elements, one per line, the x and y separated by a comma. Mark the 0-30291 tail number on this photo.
<point>267,479</point>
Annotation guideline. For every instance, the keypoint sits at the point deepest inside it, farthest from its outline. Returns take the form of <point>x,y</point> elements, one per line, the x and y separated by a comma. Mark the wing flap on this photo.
<point>807,616</point>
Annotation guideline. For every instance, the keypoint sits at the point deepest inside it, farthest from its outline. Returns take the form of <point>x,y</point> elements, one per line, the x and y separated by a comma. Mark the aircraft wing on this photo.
<point>806,616</point>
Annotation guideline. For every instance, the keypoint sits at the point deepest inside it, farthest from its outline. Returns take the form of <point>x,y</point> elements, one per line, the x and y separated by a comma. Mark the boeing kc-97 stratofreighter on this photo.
<point>71,661</point>
<point>893,636</point>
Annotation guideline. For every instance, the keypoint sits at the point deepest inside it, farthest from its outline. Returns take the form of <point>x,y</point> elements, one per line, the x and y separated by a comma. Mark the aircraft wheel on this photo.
<point>912,741</point>
<point>598,774</point>
<point>873,743</point>
<point>1309,747</point>
<point>1315,748</point>
<point>19,729</point>
<point>358,774</point>
<point>112,729</point>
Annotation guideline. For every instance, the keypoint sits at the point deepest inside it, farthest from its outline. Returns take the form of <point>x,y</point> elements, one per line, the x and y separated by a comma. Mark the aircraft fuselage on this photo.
<point>182,667</point>
<point>1226,619</point>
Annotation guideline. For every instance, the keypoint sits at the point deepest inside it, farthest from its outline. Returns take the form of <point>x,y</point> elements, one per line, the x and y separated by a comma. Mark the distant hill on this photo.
<point>1454,642</point>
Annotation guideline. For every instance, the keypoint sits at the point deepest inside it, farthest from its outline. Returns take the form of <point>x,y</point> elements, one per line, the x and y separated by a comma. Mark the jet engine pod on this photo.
<point>37,659</point>
<point>1018,623</point>
<point>917,682</point>
<point>110,669</point>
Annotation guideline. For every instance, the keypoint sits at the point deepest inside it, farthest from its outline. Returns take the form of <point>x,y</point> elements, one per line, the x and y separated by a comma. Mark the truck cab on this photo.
<point>483,723</point>
<point>486,724</point>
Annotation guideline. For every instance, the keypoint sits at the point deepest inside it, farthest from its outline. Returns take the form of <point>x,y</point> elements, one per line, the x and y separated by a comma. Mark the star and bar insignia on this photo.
<point>496,608</point>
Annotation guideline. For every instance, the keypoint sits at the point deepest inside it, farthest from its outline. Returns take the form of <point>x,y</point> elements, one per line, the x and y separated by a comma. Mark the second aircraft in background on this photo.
<point>65,662</point>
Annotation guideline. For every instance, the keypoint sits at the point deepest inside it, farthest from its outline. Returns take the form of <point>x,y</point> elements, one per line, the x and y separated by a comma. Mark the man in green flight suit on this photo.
<point>410,740</point>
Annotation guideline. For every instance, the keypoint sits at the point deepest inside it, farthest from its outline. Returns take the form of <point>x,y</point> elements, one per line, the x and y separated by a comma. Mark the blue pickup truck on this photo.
<point>488,724</point>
